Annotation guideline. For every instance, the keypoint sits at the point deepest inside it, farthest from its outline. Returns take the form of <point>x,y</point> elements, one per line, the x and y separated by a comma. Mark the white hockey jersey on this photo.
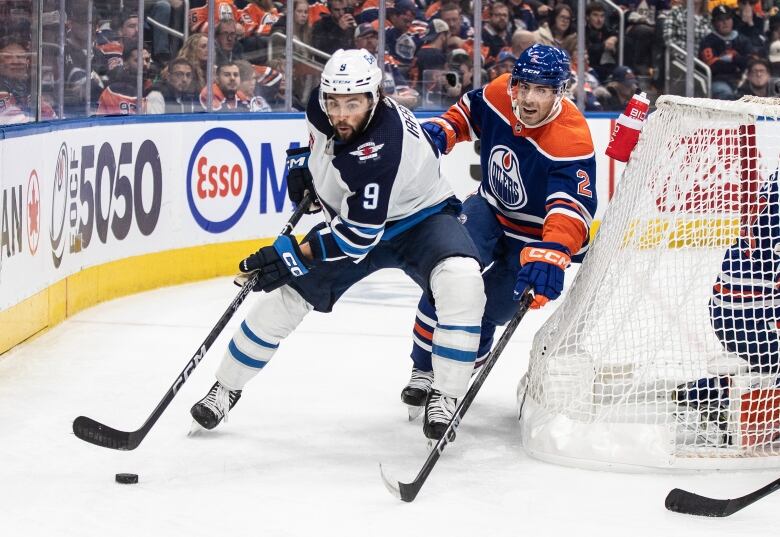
<point>375,186</point>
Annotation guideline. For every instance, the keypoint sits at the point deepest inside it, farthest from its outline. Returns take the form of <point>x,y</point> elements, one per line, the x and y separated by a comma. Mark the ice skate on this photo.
<point>439,410</point>
<point>416,392</point>
<point>214,407</point>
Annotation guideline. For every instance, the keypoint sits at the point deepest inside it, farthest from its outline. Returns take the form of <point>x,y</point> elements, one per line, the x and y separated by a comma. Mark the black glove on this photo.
<point>299,178</point>
<point>278,264</point>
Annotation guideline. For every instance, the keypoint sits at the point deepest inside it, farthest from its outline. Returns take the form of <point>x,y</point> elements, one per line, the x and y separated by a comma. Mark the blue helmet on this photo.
<point>542,64</point>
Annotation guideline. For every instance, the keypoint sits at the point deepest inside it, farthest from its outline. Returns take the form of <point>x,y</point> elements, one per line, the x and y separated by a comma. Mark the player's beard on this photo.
<point>354,132</point>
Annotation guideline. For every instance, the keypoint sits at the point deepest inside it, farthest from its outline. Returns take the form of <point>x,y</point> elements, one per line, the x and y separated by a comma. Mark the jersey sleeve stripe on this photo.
<point>567,212</point>
<point>360,225</point>
<point>528,230</point>
<point>563,197</point>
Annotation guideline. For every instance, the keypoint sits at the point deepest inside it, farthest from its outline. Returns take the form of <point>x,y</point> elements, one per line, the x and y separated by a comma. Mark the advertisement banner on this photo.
<point>81,197</point>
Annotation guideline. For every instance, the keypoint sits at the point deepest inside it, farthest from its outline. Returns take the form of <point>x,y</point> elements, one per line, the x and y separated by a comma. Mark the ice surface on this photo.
<point>299,455</point>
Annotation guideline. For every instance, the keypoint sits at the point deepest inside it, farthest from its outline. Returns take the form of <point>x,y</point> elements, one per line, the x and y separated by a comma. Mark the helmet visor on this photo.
<point>522,89</point>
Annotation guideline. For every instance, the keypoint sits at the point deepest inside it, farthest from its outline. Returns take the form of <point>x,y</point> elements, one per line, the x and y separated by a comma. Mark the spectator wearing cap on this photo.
<point>620,87</point>
<point>336,30</point>
<point>111,42</point>
<point>120,96</point>
<point>600,41</point>
<point>432,54</point>
<point>757,81</point>
<point>521,40</point>
<point>402,41</point>
<point>751,25</point>
<point>459,61</point>
<point>394,84</point>
<point>774,58</point>
<point>726,52</point>
<point>505,62</point>
<point>675,24</point>
<point>495,32</point>
<point>558,25</point>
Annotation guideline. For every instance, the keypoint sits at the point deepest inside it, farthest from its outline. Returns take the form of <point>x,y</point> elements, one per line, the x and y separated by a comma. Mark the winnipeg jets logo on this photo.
<point>504,177</point>
<point>367,151</point>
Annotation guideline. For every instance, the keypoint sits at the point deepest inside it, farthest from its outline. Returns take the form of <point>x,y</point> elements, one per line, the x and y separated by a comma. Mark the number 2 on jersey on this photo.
<point>371,195</point>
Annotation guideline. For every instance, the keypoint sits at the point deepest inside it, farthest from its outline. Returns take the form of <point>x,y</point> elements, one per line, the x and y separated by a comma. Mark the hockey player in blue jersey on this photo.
<point>376,177</point>
<point>536,200</point>
<point>745,306</point>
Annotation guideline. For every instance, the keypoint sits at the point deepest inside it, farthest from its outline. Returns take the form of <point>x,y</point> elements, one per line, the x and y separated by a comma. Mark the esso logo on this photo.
<point>504,177</point>
<point>219,180</point>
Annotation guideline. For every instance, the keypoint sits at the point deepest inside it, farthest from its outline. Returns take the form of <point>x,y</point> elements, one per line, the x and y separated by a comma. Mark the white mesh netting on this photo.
<point>664,352</point>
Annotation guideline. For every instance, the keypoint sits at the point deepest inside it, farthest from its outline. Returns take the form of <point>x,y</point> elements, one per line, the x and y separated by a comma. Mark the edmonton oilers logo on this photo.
<point>504,177</point>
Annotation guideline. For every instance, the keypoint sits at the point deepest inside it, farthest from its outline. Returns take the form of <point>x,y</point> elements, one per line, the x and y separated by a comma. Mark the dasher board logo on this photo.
<point>33,212</point>
<point>504,177</point>
<point>103,193</point>
<point>219,180</point>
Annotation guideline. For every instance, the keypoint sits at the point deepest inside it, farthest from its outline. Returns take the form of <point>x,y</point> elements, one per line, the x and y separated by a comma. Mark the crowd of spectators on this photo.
<point>428,56</point>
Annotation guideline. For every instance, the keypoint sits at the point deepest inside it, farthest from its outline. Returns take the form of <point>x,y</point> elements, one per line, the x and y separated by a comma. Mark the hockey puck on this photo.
<point>126,479</point>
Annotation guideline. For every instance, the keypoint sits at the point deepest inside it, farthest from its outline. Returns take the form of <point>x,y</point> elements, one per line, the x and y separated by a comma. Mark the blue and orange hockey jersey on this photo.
<point>540,181</point>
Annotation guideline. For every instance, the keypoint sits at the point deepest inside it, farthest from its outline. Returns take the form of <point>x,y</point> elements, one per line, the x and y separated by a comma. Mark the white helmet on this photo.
<point>351,72</point>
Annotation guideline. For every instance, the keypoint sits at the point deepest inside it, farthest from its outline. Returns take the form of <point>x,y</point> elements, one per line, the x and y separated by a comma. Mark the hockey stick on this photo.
<point>96,433</point>
<point>408,491</point>
<point>682,501</point>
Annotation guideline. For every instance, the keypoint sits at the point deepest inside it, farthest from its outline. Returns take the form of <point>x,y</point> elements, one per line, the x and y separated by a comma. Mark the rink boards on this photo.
<point>95,209</point>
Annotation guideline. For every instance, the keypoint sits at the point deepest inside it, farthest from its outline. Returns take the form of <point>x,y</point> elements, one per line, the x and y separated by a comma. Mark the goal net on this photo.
<point>665,351</point>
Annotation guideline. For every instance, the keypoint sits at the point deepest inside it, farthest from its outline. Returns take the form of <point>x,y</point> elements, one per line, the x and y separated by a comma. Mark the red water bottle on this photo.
<point>627,128</point>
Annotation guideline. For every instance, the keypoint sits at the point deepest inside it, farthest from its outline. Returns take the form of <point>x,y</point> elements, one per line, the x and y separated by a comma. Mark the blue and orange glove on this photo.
<point>541,268</point>
<point>437,134</point>
<point>278,264</point>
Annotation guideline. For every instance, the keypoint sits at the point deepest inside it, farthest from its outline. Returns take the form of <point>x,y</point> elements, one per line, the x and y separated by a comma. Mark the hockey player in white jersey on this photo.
<point>377,181</point>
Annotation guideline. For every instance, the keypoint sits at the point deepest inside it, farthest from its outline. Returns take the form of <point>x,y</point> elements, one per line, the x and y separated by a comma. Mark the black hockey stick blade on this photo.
<point>682,501</point>
<point>96,433</point>
<point>408,491</point>
<point>101,435</point>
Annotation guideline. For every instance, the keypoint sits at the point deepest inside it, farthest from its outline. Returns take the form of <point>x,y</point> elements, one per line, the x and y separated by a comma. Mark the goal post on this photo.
<point>664,351</point>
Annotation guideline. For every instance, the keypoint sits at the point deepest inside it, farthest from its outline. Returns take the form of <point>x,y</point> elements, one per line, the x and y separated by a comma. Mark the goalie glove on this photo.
<point>542,265</point>
<point>299,178</point>
<point>278,264</point>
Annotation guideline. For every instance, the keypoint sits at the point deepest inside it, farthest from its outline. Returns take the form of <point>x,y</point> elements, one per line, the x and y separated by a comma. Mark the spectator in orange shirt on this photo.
<point>226,91</point>
<point>120,96</point>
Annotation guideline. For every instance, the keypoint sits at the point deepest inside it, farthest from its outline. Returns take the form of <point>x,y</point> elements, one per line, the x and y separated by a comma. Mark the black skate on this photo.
<point>707,414</point>
<point>439,410</point>
<point>416,391</point>
<point>210,410</point>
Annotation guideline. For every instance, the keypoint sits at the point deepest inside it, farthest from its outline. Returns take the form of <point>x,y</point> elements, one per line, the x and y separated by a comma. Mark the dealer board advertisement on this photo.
<point>81,197</point>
